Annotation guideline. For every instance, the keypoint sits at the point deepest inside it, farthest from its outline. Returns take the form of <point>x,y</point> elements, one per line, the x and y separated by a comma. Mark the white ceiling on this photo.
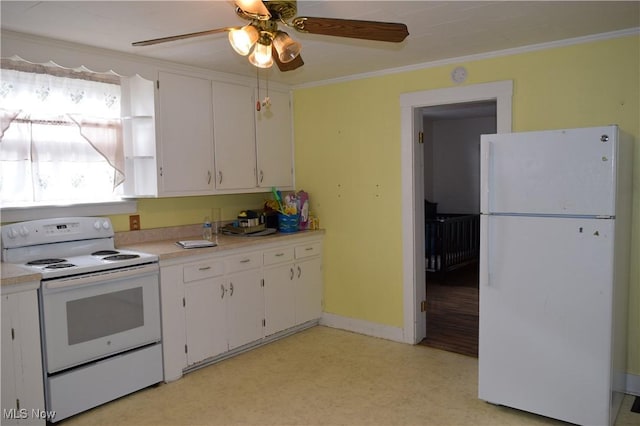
<point>438,30</point>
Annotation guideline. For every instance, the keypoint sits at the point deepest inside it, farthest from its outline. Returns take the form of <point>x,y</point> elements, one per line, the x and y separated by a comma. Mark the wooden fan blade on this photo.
<point>288,66</point>
<point>367,30</point>
<point>182,36</point>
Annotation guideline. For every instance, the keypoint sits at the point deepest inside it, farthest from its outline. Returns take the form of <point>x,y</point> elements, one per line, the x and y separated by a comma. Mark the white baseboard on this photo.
<point>633,384</point>
<point>363,327</point>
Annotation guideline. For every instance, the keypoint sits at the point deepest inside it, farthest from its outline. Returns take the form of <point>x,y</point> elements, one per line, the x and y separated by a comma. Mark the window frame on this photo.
<point>43,210</point>
<point>20,214</point>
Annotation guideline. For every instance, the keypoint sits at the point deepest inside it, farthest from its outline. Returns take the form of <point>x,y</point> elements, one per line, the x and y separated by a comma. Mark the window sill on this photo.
<point>19,214</point>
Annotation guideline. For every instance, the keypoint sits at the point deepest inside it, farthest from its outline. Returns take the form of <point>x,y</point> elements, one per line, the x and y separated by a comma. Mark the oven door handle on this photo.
<point>98,277</point>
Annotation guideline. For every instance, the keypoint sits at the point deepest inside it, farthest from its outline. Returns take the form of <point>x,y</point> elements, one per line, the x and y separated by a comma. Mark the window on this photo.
<point>60,135</point>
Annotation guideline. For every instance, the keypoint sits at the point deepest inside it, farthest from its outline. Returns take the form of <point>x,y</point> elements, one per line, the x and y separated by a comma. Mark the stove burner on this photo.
<point>45,261</point>
<point>104,252</point>
<point>60,266</point>
<point>121,257</point>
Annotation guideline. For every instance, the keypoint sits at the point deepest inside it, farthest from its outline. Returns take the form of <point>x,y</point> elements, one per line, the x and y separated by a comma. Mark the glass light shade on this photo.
<point>243,39</point>
<point>285,46</point>
<point>261,56</point>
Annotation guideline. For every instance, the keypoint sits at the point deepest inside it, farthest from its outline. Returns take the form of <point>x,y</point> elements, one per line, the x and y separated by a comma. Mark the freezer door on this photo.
<point>546,316</point>
<point>556,172</point>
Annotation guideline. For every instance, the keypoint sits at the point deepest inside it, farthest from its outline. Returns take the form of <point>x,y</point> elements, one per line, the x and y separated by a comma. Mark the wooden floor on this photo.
<point>452,311</point>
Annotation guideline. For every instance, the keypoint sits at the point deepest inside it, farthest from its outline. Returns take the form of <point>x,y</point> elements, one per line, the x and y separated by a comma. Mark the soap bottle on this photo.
<point>206,229</point>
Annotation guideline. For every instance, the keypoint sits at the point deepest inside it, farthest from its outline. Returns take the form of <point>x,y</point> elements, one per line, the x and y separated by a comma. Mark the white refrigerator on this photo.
<point>554,272</point>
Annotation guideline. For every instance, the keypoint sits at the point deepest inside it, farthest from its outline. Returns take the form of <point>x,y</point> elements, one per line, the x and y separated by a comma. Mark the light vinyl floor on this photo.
<point>323,376</point>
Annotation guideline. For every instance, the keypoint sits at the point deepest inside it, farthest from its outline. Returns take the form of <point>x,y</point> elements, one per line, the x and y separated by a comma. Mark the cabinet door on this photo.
<point>186,135</point>
<point>174,359</point>
<point>205,319</point>
<point>22,377</point>
<point>279,298</point>
<point>245,308</point>
<point>9,393</point>
<point>308,290</point>
<point>234,136</point>
<point>274,143</point>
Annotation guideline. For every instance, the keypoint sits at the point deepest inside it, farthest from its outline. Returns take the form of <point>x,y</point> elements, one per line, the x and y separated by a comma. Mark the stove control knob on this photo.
<point>24,231</point>
<point>106,224</point>
<point>97,225</point>
<point>12,233</point>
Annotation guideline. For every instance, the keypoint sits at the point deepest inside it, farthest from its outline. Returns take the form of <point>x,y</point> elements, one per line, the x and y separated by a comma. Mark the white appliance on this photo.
<point>554,271</point>
<point>99,310</point>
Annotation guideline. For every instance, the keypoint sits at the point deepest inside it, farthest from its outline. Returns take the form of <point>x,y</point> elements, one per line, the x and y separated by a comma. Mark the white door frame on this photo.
<point>413,285</point>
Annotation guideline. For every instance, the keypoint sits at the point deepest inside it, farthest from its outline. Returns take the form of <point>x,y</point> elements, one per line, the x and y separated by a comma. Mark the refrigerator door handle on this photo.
<point>485,257</point>
<point>486,155</point>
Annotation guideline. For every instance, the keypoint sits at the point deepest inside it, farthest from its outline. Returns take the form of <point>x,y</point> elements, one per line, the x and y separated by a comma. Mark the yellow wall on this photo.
<point>347,142</point>
<point>164,212</point>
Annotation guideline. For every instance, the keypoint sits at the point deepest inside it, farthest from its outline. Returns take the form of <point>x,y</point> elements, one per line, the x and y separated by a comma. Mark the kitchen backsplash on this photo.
<point>157,234</point>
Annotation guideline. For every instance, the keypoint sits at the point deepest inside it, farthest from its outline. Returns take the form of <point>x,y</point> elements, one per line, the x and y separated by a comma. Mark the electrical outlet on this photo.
<point>134,222</point>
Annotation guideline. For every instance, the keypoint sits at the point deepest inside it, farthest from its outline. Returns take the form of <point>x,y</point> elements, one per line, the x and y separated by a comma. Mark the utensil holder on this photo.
<point>288,223</point>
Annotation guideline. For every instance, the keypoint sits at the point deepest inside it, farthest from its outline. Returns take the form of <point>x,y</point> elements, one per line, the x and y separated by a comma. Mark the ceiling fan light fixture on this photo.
<point>261,55</point>
<point>243,39</point>
<point>254,8</point>
<point>287,48</point>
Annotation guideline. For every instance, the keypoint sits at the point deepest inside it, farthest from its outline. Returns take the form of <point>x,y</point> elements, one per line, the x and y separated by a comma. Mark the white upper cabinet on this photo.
<point>234,136</point>
<point>186,135</point>
<point>274,145</point>
<point>253,148</point>
<point>204,137</point>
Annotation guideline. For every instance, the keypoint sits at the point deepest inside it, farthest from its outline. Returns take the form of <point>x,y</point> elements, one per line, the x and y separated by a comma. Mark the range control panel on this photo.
<point>45,231</point>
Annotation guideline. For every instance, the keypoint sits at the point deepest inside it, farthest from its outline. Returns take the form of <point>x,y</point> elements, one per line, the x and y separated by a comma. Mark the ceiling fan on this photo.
<point>265,43</point>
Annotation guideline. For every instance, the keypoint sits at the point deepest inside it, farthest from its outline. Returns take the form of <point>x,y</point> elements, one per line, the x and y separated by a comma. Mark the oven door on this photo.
<point>92,316</point>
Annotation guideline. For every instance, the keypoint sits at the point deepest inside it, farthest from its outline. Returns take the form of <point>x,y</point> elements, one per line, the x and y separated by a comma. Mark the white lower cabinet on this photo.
<point>292,286</point>
<point>22,379</point>
<point>222,311</point>
<point>308,290</point>
<point>279,290</point>
<point>205,319</point>
<point>245,310</point>
<point>214,304</point>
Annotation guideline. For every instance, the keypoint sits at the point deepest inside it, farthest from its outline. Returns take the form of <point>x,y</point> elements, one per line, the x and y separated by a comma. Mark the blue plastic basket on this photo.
<point>288,223</point>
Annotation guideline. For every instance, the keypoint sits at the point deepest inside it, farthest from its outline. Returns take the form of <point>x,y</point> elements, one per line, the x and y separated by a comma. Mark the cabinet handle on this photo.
<point>204,268</point>
<point>261,176</point>
<point>291,277</point>
<point>308,249</point>
<point>231,289</point>
<point>219,177</point>
<point>245,261</point>
<point>279,254</point>
<point>208,177</point>
<point>299,272</point>
<point>222,291</point>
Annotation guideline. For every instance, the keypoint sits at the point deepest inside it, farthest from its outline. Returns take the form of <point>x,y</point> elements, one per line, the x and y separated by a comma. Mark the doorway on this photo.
<point>412,174</point>
<point>452,232</point>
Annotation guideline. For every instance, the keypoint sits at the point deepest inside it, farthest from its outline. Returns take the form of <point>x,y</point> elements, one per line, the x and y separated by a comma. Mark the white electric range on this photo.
<point>99,310</point>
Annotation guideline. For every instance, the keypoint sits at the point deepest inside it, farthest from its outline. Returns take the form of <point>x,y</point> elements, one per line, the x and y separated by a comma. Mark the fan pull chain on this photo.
<point>266,102</point>
<point>258,107</point>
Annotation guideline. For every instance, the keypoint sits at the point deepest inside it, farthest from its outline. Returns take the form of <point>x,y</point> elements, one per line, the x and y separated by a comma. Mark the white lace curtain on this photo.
<point>60,134</point>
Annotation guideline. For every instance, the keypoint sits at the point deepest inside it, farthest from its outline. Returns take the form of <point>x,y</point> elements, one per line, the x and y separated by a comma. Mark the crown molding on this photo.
<point>477,57</point>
